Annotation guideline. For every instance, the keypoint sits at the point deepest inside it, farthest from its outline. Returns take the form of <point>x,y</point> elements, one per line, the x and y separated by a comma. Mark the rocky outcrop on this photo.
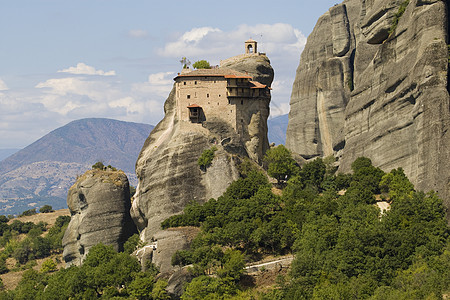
<point>169,175</point>
<point>99,204</point>
<point>256,65</point>
<point>373,81</point>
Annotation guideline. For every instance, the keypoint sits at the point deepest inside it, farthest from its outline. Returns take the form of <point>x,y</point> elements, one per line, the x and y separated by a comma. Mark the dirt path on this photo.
<point>283,262</point>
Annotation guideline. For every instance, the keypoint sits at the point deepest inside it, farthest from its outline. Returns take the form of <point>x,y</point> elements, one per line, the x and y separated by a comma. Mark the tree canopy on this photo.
<point>201,64</point>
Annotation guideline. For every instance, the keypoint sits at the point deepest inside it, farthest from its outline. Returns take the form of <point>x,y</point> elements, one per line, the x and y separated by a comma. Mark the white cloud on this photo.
<point>137,33</point>
<point>162,78</point>
<point>190,43</point>
<point>80,97</point>
<point>3,86</point>
<point>83,69</point>
<point>277,40</point>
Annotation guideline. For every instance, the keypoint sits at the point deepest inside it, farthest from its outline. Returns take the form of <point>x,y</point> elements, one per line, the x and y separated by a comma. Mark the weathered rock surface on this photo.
<point>99,204</point>
<point>168,173</point>
<point>363,91</point>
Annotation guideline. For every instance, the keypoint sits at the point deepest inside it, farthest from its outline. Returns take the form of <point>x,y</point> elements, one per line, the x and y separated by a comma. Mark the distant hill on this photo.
<point>42,172</point>
<point>277,129</point>
<point>4,153</point>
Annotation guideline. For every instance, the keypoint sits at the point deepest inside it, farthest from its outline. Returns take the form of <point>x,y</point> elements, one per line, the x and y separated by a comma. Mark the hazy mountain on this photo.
<point>277,129</point>
<point>4,153</point>
<point>42,172</point>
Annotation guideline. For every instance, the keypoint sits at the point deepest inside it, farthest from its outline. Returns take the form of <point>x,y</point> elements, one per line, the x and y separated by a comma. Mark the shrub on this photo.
<point>29,212</point>
<point>281,165</point>
<point>48,266</point>
<point>133,243</point>
<point>98,165</point>
<point>398,16</point>
<point>202,64</point>
<point>205,160</point>
<point>46,209</point>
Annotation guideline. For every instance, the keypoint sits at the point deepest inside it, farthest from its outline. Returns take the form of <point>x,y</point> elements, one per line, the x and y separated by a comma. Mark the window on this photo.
<point>242,102</point>
<point>195,82</point>
<point>207,95</point>
<point>188,96</point>
<point>184,83</point>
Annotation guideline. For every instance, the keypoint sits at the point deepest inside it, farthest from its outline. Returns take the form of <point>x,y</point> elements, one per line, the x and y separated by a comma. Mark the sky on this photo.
<point>63,60</point>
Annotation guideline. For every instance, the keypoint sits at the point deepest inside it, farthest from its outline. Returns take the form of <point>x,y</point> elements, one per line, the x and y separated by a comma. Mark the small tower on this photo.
<point>251,47</point>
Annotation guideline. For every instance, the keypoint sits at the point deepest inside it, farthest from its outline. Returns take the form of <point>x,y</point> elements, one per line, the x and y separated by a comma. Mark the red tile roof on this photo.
<point>258,85</point>
<point>194,106</point>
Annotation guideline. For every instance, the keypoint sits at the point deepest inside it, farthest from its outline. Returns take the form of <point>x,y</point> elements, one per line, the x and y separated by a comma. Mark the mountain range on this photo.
<point>277,129</point>
<point>42,172</point>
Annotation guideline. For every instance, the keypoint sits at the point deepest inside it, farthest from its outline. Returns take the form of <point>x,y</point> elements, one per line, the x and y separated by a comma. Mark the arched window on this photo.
<point>250,49</point>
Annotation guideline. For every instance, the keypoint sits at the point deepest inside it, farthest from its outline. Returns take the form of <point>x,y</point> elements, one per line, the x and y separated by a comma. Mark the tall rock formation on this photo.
<point>167,168</point>
<point>99,204</point>
<point>373,81</point>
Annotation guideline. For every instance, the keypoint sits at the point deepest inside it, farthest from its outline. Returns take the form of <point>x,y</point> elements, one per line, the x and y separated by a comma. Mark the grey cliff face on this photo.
<point>99,204</point>
<point>365,87</point>
<point>168,172</point>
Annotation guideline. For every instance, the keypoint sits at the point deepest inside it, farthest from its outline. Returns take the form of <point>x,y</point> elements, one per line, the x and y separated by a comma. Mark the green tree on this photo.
<point>133,243</point>
<point>28,212</point>
<point>281,165</point>
<point>396,184</point>
<point>49,265</point>
<point>159,290</point>
<point>313,173</point>
<point>3,267</point>
<point>3,219</point>
<point>233,266</point>
<point>46,209</point>
<point>205,160</point>
<point>201,64</point>
<point>98,165</point>
<point>141,287</point>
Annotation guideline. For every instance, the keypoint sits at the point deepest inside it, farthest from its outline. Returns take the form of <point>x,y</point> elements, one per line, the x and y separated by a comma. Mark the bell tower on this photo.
<point>251,47</point>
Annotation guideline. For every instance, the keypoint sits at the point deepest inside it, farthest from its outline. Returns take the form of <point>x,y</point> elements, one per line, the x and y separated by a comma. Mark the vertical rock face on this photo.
<point>99,204</point>
<point>168,172</point>
<point>368,87</point>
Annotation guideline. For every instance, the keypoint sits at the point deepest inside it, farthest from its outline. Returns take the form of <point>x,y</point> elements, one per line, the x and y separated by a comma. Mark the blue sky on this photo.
<point>64,60</point>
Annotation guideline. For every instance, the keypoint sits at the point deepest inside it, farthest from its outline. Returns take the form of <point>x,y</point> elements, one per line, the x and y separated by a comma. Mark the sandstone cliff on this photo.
<point>99,204</point>
<point>373,81</point>
<point>168,173</point>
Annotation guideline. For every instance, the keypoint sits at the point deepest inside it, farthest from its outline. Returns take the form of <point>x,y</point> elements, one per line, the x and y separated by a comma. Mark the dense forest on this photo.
<point>344,246</point>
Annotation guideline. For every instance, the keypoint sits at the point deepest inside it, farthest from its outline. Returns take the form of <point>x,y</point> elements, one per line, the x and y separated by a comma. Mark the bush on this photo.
<point>46,209</point>
<point>48,266</point>
<point>98,165</point>
<point>133,243</point>
<point>29,212</point>
<point>201,64</point>
<point>398,15</point>
<point>281,165</point>
<point>205,160</point>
